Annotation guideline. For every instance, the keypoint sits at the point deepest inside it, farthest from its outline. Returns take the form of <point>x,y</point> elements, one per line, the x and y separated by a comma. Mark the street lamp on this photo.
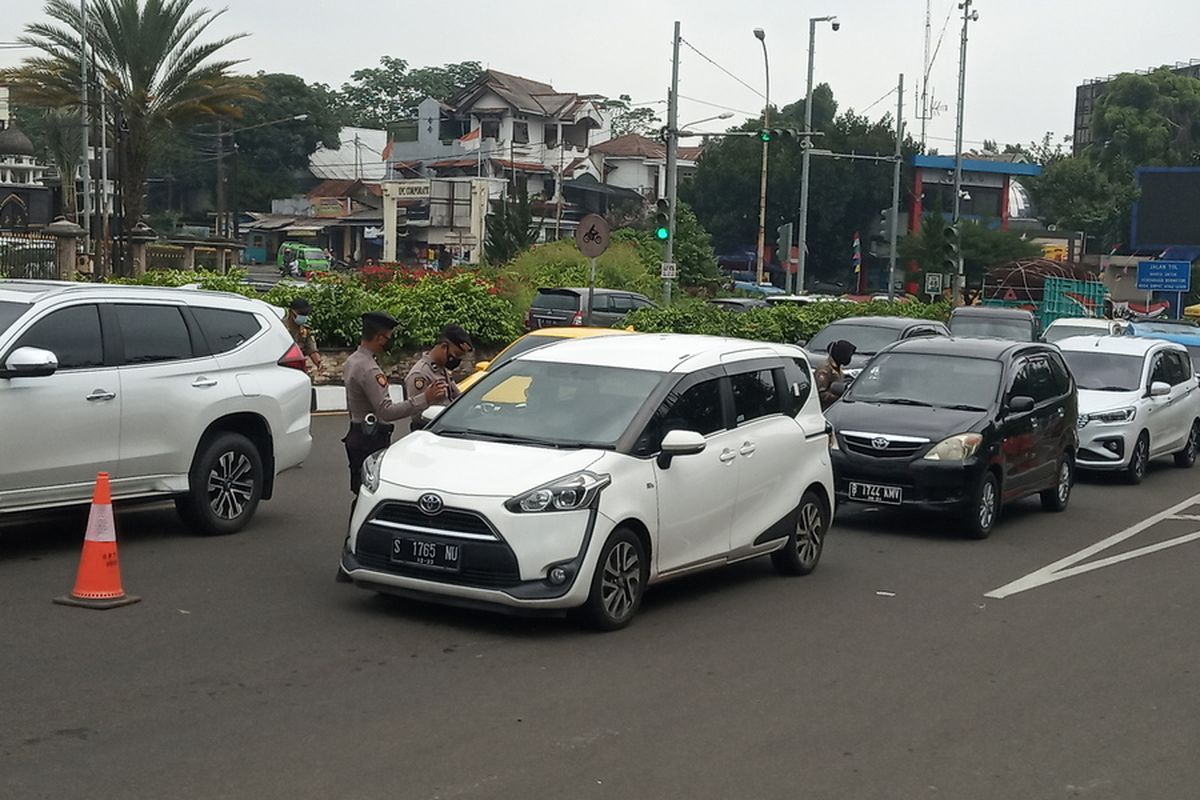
<point>725,115</point>
<point>761,35</point>
<point>806,158</point>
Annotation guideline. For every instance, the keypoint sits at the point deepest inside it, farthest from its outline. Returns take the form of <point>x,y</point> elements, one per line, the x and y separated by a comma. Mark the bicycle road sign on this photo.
<point>592,235</point>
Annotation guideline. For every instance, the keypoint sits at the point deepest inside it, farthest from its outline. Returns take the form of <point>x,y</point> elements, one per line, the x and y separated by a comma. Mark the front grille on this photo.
<point>450,520</point>
<point>865,445</point>
<point>486,565</point>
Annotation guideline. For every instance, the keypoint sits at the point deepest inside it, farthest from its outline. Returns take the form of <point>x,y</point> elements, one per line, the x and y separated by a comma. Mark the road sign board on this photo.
<point>669,271</point>
<point>592,235</point>
<point>933,283</point>
<point>1164,276</point>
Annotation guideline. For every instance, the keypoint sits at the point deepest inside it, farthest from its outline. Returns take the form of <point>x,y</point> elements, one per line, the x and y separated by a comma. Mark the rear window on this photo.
<point>153,334</point>
<point>226,330</point>
<point>557,301</point>
<point>10,313</point>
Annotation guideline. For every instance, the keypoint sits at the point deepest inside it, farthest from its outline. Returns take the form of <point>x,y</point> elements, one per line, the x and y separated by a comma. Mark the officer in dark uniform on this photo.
<point>372,411</point>
<point>829,378</point>
<point>439,362</point>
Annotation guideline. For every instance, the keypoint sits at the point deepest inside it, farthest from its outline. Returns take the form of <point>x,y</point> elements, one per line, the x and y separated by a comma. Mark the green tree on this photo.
<point>1147,120</point>
<point>625,118</point>
<point>982,247</point>
<point>152,62</point>
<point>693,251</point>
<point>511,229</point>
<point>377,96</point>
<point>1079,194</point>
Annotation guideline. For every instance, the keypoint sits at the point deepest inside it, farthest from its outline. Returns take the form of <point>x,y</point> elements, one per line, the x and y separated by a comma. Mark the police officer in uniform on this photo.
<point>829,377</point>
<point>296,322</point>
<point>439,362</point>
<point>372,411</point>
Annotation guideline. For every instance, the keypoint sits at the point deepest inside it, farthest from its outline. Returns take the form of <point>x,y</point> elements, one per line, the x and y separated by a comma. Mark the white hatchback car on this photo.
<point>199,396</point>
<point>631,460</point>
<point>1138,399</point>
<point>1066,327</point>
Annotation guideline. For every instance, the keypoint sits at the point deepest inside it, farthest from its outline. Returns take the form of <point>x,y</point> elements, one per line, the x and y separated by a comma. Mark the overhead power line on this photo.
<point>718,66</point>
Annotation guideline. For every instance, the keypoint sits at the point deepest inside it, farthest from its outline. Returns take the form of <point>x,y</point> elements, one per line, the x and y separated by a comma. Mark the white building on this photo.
<point>640,164</point>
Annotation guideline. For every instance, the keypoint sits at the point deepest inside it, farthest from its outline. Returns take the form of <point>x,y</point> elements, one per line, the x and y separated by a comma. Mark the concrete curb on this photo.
<point>333,398</point>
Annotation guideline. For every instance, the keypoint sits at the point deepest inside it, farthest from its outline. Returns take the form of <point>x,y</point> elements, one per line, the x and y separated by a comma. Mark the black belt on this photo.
<point>373,430</point>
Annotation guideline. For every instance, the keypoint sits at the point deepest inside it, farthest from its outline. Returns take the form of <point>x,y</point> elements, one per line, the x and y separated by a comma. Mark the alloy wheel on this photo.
<point>230,485</point>
<point>987,505</point>
<point>809,532</point>
<point>621,584</point>
<point>1064,483</point>
<point>1140,457</point>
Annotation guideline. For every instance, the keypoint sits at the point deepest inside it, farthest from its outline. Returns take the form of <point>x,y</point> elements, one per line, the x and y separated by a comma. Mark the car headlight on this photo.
<point>371,472</point>
<point>956,448</point>
<point>570,493</point>
<point>1116,416</point>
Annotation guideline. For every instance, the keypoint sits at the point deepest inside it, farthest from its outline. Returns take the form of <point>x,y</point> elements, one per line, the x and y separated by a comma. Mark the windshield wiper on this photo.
<point>1106,388</point>
<point>964,407</point>
<point>902,401</point>
<point>511,437</point>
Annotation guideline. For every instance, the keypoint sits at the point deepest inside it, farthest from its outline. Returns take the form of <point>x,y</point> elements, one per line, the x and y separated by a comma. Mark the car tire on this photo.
<point>802,552</point>
<point>1186,458</point>
<point>980,519</point>
<point>618,583</point>
<point>225,485</point>
<point>1056,498</point>
<point>1139,460</point>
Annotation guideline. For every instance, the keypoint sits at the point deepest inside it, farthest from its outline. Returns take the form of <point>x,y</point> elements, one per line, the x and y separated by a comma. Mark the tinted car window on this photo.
<point>1179,368</point>
<point>979,327</point>
<point>72,334</point>
<point>1161,372</point>
<point>153,333</point>
<point>10,313</point>
<point>641,302</point>
<point>560,302</point>
<point>225,330</point>
<point>698,409</point>
<point>798,383</point>
<point>867,339</point>
<point>1062,378</point>
<point>1041,380</point>
<point>755,395</point>
<point>621,304</point>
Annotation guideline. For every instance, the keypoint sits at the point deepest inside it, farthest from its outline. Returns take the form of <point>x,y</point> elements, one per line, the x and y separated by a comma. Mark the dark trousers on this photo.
<point>360,445</point>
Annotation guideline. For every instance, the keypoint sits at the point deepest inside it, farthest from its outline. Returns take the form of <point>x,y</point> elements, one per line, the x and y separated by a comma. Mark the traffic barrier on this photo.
<point>98,582</point>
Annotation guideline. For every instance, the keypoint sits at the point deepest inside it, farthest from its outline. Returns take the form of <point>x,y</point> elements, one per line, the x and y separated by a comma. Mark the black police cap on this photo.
<point>456,334</point>
<point>379,319</point>
<point>301,306</point>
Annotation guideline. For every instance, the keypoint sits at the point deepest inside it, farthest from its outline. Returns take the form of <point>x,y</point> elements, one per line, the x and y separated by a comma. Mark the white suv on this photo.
<point>194,395</point>
<point>578,473</point>
<point>1138,399</point>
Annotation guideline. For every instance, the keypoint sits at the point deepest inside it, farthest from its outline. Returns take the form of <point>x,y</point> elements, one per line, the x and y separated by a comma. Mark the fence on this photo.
<point>164,256</point>
<point>27,255</point>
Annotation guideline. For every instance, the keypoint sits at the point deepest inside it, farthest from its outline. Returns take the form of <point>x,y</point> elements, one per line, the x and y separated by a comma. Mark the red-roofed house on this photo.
<point>638,163</point>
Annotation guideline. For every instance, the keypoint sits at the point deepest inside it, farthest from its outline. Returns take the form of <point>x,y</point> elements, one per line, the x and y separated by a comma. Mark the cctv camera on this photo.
<point>837,26</point>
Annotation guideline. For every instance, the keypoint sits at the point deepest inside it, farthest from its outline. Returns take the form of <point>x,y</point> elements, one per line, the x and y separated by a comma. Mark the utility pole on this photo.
<point>672,158</point>
<point>219,228</point>
<point>806,157</point>
<point>85,169</point>
<point>969,16</point>
<point>105,261</point>
<point>761,35</point>
<point>894,232</point>
<point>925,74</point>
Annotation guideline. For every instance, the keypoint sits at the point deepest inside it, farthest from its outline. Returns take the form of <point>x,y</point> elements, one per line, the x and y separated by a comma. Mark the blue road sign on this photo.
<point>1164,276</point>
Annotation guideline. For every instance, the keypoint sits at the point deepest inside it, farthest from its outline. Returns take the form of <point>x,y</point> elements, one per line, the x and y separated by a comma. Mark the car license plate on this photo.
<point>874,493</point>
<point>423,553</point>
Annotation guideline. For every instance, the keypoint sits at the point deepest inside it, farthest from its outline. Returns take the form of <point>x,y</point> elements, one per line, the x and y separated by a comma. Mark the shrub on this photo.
<point>561,264</point>
<point>435,301</point>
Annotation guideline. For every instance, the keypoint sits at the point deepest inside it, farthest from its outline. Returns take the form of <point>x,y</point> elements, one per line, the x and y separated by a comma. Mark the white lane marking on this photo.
<point>1070,566</point>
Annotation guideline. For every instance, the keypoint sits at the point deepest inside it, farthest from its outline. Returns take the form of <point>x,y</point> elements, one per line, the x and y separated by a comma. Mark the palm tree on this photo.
<point>148,58</point>
<point>64,143</point>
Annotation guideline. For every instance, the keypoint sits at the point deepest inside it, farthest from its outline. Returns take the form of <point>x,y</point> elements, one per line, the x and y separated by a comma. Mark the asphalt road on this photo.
<point>246,672</point>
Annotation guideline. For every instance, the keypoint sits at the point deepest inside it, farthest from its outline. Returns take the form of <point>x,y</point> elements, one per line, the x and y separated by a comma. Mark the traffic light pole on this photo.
<point>961,278</point>
<point>672,158</point>
<point>894,232</point>
<point>806,160</point>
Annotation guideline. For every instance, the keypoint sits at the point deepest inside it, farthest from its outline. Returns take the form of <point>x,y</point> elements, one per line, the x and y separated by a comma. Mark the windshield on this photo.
<point>867,339</point>
<point>549,404</point>
<point>522,345</point>
<point>1105,372</point>
<point>1056,333</point>
<point>10,313</point>
<point>314,255</point>
<point>920,379</point>
<point>991,328</point>
<point>560,302</point>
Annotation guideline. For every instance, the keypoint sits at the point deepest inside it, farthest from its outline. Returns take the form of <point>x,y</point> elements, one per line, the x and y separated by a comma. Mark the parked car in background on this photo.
<point>1138,399</point>
<point>1182,332</point>
<point>556,308</point>
<point>802,299</point>
<point>633,459</point>
<point>738,304</point>
<point>763,289</point>
<point>532,341</point>
<point>1066,327</point>
<point>958,424</point>
<point>198,396</point>
<point>869,335</point>
<point>994,322</point>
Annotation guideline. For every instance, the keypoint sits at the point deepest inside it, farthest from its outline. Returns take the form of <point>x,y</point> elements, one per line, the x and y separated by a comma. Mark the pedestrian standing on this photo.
<point>439,362</point>
<point>297,323</point>
<point>372,411</point>
<point>828,377</point>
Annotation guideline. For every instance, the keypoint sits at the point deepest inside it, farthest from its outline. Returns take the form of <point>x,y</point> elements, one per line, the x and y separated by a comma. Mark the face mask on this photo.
<point>301,319</point>
<point>452,362</point>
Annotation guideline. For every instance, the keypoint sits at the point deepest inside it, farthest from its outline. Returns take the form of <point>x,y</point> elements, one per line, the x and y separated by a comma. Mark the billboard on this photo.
<point>1168,212</point>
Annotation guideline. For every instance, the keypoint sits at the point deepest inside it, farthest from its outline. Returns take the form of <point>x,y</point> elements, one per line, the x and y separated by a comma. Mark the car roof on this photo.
<point>884,322</point>
<point>1082,322</point>
<point>658,352</point>
<point>997,349</point>
<point>1120,345</point>
<point>37,291</point>
<point>991,311</point>
<point>579,332</point>
<point>581,291</point>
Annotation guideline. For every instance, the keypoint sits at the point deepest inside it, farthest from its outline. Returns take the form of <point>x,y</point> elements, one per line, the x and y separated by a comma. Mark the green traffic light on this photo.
<point>662,233</point>
<point>764,135</point>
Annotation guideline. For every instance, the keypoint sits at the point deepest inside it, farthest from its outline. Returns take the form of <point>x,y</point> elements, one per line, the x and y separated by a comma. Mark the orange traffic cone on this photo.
<point>98,583</point>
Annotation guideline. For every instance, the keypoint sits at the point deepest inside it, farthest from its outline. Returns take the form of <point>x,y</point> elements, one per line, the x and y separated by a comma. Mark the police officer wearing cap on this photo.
<point>439,362</point>
<point>372,411</point>
<point>296,322</point>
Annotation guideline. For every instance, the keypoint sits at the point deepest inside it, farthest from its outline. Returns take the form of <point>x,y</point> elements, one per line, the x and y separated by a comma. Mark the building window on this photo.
<point>520,132</point>
<point>489,128</point>
<point>550,135</point>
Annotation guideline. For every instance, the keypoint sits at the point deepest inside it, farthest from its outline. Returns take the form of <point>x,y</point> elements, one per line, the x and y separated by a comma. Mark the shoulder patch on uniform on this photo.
<point>381,379</point>
<point>419,383</point>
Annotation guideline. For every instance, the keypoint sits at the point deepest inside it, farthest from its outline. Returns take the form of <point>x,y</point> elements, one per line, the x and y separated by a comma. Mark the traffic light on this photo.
<point>662,220</point>
<point>783,242</point>
<point>767,134</point>
<point>953,248</point>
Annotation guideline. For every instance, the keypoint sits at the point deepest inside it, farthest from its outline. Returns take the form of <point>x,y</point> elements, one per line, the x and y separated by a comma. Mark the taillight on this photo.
<point>577,319</point>
<point>529,319</point>
<point>294,358</point>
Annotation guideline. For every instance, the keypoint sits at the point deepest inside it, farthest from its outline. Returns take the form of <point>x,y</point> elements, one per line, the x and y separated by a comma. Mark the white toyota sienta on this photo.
<point>580,473</point>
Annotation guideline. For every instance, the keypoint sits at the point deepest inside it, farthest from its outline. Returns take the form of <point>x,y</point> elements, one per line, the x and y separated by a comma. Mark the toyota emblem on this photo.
<point>430,504</point>
<point>880,443</point>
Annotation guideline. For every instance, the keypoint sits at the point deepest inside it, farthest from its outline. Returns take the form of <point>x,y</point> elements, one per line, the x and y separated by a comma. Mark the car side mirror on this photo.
<point>1159,389</point>
<point>680,443</point>
<point>432,413</point>
<point>30,362</point>
<point>481,366</point>
<point>1021,404</point>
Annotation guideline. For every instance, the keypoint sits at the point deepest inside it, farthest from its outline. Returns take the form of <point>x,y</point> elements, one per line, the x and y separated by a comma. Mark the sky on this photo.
<point>1024,56</point>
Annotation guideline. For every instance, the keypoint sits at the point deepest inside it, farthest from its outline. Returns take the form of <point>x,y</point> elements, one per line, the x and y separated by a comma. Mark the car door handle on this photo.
<point>748,449</point>
<point>101,395</point>
<point>204,383</point>
<point>727,456</point>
